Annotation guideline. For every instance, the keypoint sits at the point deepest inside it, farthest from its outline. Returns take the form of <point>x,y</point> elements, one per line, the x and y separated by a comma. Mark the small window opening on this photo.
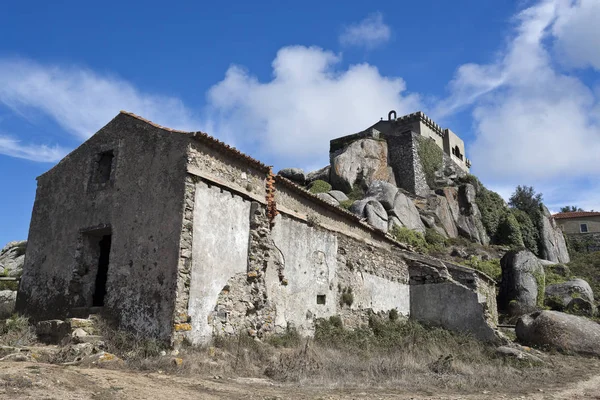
<point>583,228</point>
<point>321,299</point>
<point>102,274</point>
<point>456,152</point>
<point>104,166</point>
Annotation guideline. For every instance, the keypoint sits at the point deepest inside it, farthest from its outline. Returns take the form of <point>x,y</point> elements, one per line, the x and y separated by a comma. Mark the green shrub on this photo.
<point>492,208</point>
<point>319,186</point>
<point>526,199</point>
<point>435,240</point>
<point>540,280</point>
<point>393,314</point>
<point>347,297</point>
<point>509,231</point>
<point>346,204</point>
<point>291,338</point>
<point>16,331</point>
<point>410,237</point>
<point>529,232</point>
<point>587,266</point>
<point>472,179</point>
<point>553,278</point>
<point>384,334</point>
<point>357,193</point>
<point>9,285</point>
<point>432,158</point>
<point>491,268</point>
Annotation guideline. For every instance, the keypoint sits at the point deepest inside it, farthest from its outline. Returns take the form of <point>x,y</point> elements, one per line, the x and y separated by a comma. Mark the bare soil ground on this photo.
<point>24,380</point>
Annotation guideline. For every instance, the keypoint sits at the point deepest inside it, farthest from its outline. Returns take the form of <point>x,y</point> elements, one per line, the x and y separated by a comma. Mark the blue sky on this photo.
<point>517,80</point>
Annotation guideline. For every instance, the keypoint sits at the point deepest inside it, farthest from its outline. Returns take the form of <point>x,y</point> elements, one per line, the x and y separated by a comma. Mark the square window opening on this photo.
<point>321,299</point>
<point>583,228</point>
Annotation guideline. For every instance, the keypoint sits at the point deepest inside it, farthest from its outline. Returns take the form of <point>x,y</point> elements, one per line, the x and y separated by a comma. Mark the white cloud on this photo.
<point>79,100</point>
<point>369,33</point>
<point>308,102</point>
<point>533,123</point>
<point>41,153</point>
<point>577,30</point>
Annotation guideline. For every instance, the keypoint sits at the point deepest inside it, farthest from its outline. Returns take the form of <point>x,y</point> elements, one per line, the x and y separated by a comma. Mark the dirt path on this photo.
<point>45,381</point>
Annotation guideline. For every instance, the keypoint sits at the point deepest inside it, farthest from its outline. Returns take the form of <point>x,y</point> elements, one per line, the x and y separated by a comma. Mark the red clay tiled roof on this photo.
<point>576,214</point>
<point>207,139</point>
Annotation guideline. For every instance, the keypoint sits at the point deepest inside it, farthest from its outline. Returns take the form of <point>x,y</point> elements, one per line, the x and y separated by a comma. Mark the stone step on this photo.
<point>84,312</point>
<point>88,339</point>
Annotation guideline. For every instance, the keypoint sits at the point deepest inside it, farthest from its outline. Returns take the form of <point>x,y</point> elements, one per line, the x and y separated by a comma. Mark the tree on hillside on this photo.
<point>570,209</point>
<point>526,199</point>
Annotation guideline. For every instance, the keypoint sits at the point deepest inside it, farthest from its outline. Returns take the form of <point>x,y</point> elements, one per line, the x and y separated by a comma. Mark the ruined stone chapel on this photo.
<point>178,236</point>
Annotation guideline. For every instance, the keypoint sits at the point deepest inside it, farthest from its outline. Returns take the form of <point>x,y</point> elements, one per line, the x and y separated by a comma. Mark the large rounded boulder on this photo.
<point>522,285</point>
<point>384,192</point>
<point>373,212</point>
<point>360,163</point>
<point>406,213</point>
<point>575,296</point>
<point>564,332</point>
<point>294,174</point>
<point>12,258</point>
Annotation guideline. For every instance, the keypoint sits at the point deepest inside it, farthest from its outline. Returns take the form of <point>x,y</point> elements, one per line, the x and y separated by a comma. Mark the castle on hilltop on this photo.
<point>413,153</point>
<point>417,122</point>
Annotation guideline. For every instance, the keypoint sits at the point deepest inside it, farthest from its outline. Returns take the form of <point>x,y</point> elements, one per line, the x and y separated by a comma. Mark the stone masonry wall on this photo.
<point>311,262</point>
<point>404,160</point>
<point>72,211</point>
<point>586,242</point>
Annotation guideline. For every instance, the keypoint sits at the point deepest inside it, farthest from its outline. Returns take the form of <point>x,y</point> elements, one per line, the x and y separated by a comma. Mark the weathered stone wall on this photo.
<point>585,242</point>
<point>454,297</point>
<point>295,201</point>
<point>313,262</point>
<point>405,162</point>
<point>140,206</point>
<point>573,225</point>
<point>376,277</point>
<point>219,166</point>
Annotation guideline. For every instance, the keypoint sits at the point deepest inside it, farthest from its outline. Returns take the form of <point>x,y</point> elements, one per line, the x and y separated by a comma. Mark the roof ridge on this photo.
<point>204,137</point>
<point>575,214</point>
<point>154,124</point>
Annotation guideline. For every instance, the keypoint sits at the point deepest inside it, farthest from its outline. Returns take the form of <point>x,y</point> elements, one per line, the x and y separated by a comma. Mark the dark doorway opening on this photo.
<point>102,274</point>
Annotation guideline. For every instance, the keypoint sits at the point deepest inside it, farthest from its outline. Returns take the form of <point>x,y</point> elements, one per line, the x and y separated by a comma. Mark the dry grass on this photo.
<point>16,331</point>
<point>385,354</point>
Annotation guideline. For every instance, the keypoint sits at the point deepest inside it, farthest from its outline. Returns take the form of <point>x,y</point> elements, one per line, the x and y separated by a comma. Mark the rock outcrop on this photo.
<point>553,245</point>
<point>465,213</point>
<point>7,303</point>
<point>360,163</point>
<point>561,331</point>
<point>405,213</point>
<point>575,296</point>
<point>373,212</point>
<point>293,174</point>
<point>386,204</point>
<point>320,174</point>
<point>12,258</point>
<point>338,195</point>
<point>435,212</point>
<point>522,277</point>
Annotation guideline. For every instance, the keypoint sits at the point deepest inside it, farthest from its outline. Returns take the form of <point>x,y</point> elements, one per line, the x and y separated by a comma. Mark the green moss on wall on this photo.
<point>540,279</point>
<point>432,158</point>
